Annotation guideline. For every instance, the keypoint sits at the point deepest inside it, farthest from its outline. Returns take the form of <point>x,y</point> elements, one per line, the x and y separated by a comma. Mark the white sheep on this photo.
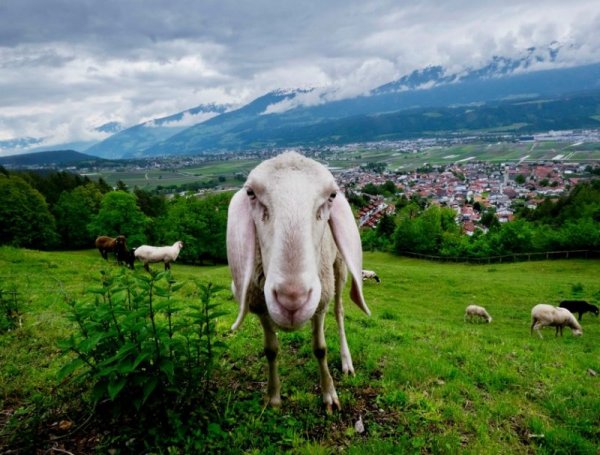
<point>150,254</point>
<point>289,233</point>
<point>543,315</point>
<point>477,311</point>
<point>366,274</point>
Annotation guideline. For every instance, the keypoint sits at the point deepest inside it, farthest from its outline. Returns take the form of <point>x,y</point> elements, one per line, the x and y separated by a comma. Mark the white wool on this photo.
<point>151,254</point>
<point>290,236</point>
<point>544,315</point>
<point>477,311</point>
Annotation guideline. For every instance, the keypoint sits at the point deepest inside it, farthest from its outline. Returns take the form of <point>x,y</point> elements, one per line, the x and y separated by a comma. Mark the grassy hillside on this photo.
<point>425,380</point>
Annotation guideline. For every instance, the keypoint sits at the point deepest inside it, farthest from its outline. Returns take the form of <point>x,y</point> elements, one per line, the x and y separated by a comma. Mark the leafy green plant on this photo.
<point>9,309</point>
<point>136,342</point>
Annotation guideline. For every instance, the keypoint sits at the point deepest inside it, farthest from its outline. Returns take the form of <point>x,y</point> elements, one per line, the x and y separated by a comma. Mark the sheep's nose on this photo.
<point>291,296</point>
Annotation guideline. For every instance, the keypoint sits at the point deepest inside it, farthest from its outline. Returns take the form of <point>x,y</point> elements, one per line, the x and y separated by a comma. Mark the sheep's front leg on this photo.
<point>271,351</point>
<point>330,398</point>
<point>340,280</point>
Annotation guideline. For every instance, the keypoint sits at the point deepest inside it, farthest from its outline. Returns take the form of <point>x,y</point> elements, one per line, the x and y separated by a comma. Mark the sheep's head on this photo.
<point>288,205</point>
<point>120,241</point>
<point>571,322</point>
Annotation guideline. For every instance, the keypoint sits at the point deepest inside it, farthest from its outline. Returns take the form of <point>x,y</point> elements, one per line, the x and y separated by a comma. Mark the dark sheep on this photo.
<point>127,257</point>
<point>116,245</point>
<point>579,306</point>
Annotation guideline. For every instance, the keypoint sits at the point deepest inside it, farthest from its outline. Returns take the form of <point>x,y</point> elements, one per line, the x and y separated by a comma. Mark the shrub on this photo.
<point>135,344</point>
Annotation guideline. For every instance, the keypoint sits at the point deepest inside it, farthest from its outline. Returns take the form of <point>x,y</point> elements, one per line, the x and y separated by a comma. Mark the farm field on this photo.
<point>211,170</point>
<point>426,381</point>
<point>395,160</point>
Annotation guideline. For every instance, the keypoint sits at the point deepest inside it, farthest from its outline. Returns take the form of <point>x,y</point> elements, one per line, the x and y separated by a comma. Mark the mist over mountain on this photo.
<point>253,126</point>
<point>110,127</point>
<point>130,142</point>
<point>314,116</point>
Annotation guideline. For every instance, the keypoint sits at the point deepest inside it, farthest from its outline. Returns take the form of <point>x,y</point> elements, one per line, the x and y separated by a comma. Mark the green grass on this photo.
<point>426,382</point>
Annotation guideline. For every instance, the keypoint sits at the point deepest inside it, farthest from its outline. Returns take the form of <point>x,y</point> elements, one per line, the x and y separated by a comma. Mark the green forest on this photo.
<point>65,211</point>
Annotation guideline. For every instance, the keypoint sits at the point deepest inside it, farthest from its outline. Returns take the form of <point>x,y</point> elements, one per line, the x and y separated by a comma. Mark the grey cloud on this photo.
<point>67,64</point>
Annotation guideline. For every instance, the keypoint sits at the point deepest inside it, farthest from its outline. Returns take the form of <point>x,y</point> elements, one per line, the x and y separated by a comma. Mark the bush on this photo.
<point>135,345</point>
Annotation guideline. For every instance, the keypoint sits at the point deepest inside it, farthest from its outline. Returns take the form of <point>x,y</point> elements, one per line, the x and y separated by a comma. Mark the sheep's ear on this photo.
<point>241,245</point>
<point>347,239</point>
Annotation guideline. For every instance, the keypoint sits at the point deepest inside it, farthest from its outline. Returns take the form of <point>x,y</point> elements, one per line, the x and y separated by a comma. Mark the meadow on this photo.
<point>426,381</point>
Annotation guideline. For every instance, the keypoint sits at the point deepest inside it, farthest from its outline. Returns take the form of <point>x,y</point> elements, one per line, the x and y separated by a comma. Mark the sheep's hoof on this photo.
<point>331,402</point>
<point>348,370</point>
<point>329,408</point>
<point>347,366</point>
<point>274,402</point>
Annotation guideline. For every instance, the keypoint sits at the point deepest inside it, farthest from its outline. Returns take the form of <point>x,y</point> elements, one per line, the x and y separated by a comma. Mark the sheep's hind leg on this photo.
<point>271,351</point>
<point>536,326</point>
<point>330,398</point>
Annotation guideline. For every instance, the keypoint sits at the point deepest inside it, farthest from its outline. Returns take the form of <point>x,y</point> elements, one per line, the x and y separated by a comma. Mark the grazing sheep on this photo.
<point>579,306</point>
<point>543,315</point>
<point>289,233</point>
<point>150,254</point>
<point>477,311</point>
<point>116,245</point>
<point>128,257</point>
<point>366,274</point>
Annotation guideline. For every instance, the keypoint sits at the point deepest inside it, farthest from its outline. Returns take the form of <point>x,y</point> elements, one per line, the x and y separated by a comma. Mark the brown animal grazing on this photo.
<point>117,245</point>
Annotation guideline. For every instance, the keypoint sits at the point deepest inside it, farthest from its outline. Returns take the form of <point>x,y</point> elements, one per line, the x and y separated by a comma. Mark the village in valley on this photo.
<point>469,174</point>
<point>470,185</point>
<point>463,186</point>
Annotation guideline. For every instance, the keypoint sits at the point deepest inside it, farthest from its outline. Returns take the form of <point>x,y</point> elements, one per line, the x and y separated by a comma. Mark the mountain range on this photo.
<point>55,157</point>
<point>519,94</point>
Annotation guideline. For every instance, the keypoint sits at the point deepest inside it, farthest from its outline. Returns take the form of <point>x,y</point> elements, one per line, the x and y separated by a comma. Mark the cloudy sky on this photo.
<point>67,66</point>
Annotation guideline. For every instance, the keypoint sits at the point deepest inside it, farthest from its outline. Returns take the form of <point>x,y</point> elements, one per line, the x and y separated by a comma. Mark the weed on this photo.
<point>137,348</point>
<point>10,317</point>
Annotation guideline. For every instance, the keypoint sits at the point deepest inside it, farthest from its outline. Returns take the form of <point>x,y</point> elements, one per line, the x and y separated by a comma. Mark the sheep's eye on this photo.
<point>332,195</point>
<point>250,193</point>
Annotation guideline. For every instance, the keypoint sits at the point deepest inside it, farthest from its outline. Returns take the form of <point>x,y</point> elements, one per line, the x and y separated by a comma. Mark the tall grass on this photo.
<point>426,382</point>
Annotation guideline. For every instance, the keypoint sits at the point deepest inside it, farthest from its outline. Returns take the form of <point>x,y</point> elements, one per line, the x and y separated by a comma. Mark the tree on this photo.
<point>520,179</point>
<point>122,186</point>
<point>386,226</point>
<point>371,188</point>
<point>151,204</point>
<point>201,224</point>
<point>389,188</point>
<point>489,219</point>
<point>120,215</point>
<point>424,233</point>
<point>53,184</point>
<point>26,220</point>
<point>74,211</point>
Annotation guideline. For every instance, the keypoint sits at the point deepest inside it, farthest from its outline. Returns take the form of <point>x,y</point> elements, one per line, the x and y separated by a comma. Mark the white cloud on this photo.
<point>187,119</point>
<point>67,67</point>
